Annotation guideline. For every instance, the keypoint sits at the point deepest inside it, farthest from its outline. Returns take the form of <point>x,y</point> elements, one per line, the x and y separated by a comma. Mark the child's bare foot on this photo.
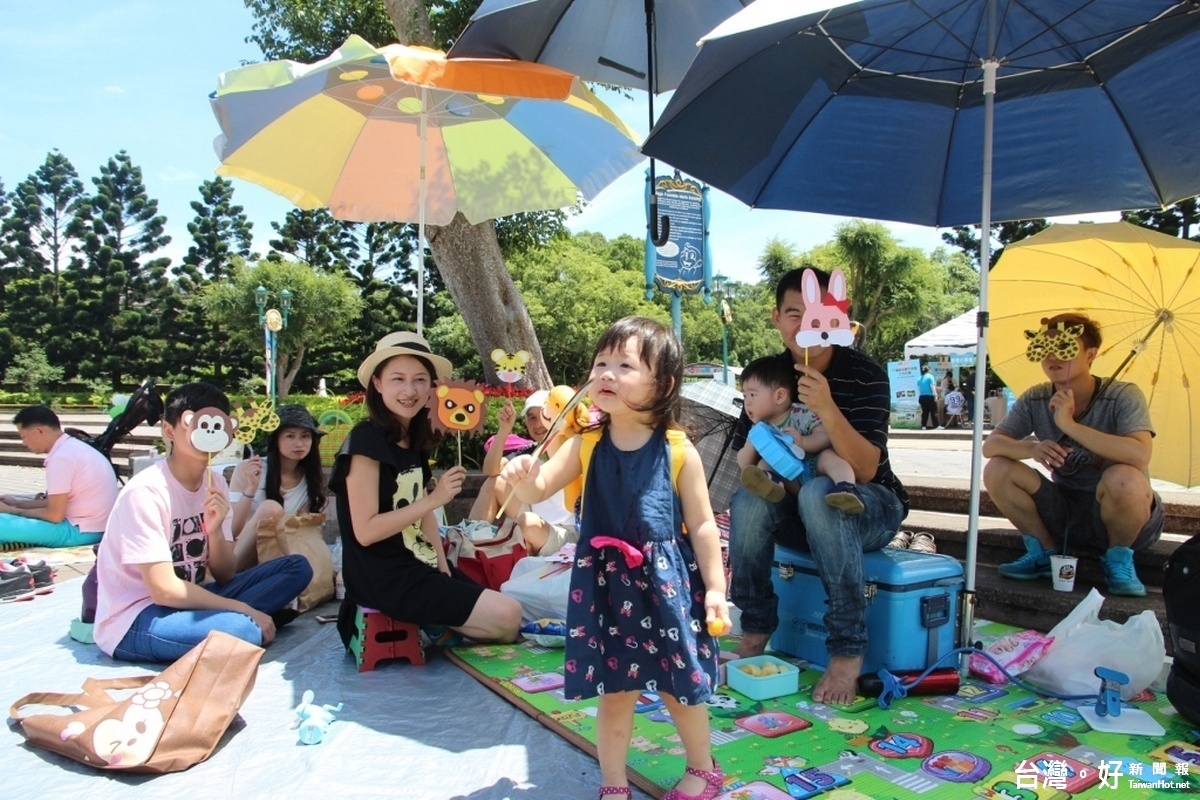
<point>839,683</point>
<point>752,644</point>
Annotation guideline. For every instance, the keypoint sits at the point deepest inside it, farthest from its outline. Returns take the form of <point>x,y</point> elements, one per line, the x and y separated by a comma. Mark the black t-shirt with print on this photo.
<point>375,571</point>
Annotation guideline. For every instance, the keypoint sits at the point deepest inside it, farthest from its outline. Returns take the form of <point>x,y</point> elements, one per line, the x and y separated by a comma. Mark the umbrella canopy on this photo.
<point>876,109</point>
<point>893,109</point>
<point>400,134</point>
<point>1143,288</point>
<point>603,42</point>
<point>614,41</point>
<point>710,411</point>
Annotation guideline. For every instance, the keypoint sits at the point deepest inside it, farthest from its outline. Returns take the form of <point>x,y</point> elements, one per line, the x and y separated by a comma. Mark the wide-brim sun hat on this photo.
<point>297,416</point>
<point>402,343</point>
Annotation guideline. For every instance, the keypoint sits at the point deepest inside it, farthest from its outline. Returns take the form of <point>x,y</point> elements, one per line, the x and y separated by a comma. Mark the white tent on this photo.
<point>956,337</point>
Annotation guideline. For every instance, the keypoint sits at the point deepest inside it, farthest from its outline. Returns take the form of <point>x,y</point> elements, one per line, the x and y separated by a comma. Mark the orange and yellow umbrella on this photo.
<point>402,134</point>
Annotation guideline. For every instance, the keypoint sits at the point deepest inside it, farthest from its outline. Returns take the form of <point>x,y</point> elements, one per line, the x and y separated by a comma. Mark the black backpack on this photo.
<point>1181,595</point>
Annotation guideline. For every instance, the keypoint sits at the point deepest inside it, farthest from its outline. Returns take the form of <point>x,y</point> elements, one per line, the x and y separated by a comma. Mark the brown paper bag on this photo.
<point>267,539</point>
<point>174,720</point>
<point>302,534</point>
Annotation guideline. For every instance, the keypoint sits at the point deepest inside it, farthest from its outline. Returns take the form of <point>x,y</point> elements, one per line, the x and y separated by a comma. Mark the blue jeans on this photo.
<point>836,541</point>
<point>164,634</point>
<point>40,533</point>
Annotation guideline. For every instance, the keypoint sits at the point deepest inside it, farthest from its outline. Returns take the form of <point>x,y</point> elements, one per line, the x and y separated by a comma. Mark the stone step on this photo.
<point>999,543</point>
<point>123,449</point>
<point>1035,604</point>
<point>954,495</point>
<point>137,442</point>
<point>24,458</point>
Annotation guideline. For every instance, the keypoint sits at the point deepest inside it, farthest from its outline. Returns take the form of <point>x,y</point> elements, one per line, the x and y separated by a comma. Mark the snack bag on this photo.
<point>1016,652</point>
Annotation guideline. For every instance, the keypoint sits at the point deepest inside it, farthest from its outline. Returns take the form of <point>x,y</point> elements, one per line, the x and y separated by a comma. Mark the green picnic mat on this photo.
<point>991,742</point>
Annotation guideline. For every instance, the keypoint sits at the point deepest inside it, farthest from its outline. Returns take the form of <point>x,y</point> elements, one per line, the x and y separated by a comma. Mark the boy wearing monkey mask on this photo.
<point>166,566</point>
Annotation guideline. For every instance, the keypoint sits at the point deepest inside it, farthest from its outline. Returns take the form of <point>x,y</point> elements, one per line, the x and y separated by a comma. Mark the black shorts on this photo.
<point>427,597</point>
<point>1074,514</point>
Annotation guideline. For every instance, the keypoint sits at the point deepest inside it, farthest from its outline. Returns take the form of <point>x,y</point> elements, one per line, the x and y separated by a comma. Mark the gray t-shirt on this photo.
<point>1120,410</point>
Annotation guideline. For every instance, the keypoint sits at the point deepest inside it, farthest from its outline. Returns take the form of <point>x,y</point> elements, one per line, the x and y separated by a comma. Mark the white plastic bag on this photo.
<point>541,586</point>
<point>1083,641</point>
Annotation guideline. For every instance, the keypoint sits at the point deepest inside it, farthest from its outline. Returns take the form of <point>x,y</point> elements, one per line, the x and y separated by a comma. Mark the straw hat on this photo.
<point>402,343</point>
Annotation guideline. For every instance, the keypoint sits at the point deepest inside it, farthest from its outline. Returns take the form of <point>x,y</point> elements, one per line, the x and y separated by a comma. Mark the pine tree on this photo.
<point>43,237</point>
<point>122,290</point>
<point>315,238</point>
<point>1180,219</point>
<point>7,259</point>
<point>45,221</point>
<point>220,238</point>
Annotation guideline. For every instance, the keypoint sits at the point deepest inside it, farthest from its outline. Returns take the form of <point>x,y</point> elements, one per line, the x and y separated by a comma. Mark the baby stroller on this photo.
<point>144,406</point>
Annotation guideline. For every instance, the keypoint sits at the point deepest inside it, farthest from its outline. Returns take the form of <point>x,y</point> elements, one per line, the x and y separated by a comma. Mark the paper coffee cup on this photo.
<point>1062,569</point>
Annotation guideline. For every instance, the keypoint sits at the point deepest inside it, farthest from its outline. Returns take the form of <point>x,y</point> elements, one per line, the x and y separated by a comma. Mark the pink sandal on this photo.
<point>714,779</point>
<point>623,791</point>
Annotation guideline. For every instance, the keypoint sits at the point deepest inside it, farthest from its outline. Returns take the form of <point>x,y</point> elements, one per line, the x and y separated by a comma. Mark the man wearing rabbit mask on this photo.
<point>849,392</point>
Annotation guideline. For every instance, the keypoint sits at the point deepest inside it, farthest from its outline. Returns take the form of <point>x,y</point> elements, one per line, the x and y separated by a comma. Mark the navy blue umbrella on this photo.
<point>896,109</point>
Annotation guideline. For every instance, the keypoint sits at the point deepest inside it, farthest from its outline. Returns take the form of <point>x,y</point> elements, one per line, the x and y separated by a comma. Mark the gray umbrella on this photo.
<point>710,411</point>
<point>607,41</point>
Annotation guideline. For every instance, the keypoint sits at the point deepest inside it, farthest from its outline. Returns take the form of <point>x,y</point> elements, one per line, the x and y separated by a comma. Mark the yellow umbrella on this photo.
<point>1142,288</point>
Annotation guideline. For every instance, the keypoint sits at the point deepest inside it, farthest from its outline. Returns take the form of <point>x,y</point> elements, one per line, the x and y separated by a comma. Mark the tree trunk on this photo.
<point>468,256</point>
<point>287,368</point>
<point>469,260</point>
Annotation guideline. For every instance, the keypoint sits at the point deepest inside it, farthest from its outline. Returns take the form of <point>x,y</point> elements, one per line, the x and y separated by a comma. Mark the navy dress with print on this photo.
<point>636,613</point>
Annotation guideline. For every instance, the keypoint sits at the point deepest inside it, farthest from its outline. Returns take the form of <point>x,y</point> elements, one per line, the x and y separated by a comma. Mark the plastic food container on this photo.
<point>763,687</point>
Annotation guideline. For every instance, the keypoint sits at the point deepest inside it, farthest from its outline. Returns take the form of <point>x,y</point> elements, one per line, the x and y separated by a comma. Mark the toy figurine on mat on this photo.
<point>313,721</point>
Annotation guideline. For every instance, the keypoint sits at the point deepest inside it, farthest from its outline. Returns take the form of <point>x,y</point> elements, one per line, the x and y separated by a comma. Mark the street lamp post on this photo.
<point>272,321</point>
<point>726,318</point>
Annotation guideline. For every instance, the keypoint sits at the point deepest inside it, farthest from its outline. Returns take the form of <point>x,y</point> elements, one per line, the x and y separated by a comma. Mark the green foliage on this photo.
<point>220,230</point>
<point>966,237</point>
<point>220,235</point>
<point>118,287</point>
<point>778,258</point>
<point>325,307</point>
<point>574,289</point>
<point>307,30</point>
<point>31,371</point>
<point>1181,219</point>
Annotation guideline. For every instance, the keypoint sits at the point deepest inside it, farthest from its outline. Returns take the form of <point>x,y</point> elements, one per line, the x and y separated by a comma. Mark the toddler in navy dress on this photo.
<point>647,583</point>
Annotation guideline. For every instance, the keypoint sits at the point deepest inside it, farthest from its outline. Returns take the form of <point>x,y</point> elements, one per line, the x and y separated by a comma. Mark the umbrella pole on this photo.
<point>985,256</point>
<point>421,218</point>
<point>657,235</point>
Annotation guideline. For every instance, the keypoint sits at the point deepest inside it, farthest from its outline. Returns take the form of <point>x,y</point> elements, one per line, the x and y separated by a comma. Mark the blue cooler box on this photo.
<point>912,608</point>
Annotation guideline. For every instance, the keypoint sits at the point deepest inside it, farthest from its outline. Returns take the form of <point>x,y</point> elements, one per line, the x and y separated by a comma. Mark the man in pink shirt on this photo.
<point>166,567</point>
<point>81,488</point>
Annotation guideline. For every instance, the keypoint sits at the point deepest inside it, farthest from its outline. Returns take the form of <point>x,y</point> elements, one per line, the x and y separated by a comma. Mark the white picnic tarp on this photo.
<point>430,732</point>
